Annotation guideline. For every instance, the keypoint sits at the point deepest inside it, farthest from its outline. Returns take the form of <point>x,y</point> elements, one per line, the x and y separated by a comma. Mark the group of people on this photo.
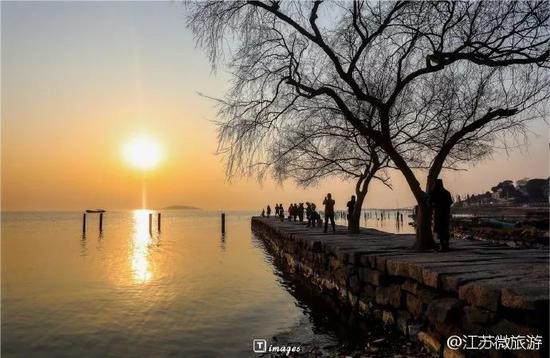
<point>440,200</point>
<point>297,212</point>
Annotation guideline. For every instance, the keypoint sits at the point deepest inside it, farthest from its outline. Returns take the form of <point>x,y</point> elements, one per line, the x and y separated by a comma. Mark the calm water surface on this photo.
<point>186,291</point>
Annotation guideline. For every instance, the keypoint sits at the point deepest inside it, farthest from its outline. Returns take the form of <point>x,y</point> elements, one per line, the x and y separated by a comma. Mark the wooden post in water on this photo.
<point>100,222</point>
<point>150,222</point>
<point>223,223</point>
<point>84,222</point>
<point>158,221</point>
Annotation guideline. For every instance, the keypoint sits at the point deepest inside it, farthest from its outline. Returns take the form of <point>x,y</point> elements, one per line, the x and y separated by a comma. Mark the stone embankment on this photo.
<point>477,288</point>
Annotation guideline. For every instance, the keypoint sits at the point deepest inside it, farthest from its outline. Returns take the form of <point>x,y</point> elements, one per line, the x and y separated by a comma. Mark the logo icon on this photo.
<point>259,346</point>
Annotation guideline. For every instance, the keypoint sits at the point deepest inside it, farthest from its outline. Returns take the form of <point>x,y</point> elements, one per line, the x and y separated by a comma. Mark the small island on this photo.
<point>181,207</point>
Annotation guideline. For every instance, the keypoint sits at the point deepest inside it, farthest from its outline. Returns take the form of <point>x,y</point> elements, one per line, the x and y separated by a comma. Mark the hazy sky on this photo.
<point>79,79</point>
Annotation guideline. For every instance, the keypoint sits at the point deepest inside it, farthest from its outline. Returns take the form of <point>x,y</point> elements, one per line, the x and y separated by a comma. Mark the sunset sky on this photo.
<point>81,79</point>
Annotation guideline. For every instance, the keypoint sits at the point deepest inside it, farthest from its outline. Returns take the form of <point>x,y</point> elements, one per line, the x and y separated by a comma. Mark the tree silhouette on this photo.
<point>446,80</point>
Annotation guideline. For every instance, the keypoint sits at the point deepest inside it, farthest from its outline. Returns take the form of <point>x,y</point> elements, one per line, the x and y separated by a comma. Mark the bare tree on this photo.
<point>323,144</point>
<point>488,61</point>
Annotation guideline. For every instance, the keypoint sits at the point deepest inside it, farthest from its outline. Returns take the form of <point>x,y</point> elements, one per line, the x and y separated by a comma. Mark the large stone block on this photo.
<point>371,276</point>
<point>507,328</point>
<point>390,295</point>
<point>317,247</point>
<point>476,317</point>
<point>426,295</point>
<point>451,353</point>
<point>342,256</point>
<point>430,278</point>
<point>410,286</point>
<point>429,341</point>
<point>444,314</point>
<point>340,276</point>
<point>354,284</point>
<point>380,263</point>
<point>319,261</point>
<point>333,263</point>
<point>525,298</point>
<point>369,291</point>
<point>372,261</point>
<point>414,305</point>
<point>480,295</point>
<point>354,258</point>
<point>397,268</point>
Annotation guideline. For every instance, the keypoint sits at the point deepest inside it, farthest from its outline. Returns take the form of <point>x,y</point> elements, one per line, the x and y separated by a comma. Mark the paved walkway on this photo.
<point>481,273</point>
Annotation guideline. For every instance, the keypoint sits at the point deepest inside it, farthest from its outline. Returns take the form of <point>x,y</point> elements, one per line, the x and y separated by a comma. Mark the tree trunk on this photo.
<point>355,219</point>
<point>361,189</point>
<point>424,238</point>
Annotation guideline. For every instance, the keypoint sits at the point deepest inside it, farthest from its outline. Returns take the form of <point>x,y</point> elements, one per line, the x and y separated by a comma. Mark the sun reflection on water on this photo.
<point>140,250</point>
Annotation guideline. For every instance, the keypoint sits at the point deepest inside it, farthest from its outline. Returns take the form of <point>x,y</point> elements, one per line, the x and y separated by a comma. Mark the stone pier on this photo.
<point>477,288</point>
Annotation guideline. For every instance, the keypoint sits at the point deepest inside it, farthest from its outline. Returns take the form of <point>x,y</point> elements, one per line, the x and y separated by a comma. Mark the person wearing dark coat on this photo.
<point>351,206</point>
<point>301,210</point>
<point>308,213</point>
<point>329,212</point>
<point>441,201</point>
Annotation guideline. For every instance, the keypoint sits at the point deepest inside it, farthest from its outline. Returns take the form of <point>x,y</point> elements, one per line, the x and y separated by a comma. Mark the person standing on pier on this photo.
<point>308,213</point>
<point>301,212</point>
<point>351,206</point>
<point>268,211</point>
<point>441,201</point>
<point>329,212</point>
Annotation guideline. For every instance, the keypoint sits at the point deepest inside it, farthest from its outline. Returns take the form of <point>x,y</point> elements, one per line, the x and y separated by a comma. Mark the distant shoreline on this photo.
<point>181,207</point>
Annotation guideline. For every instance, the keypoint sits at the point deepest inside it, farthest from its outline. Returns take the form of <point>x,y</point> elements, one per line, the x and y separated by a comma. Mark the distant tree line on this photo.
<point>524,191</point>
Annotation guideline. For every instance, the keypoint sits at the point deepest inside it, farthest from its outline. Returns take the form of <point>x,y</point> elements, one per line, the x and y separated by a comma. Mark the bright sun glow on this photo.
<point>142,152</point>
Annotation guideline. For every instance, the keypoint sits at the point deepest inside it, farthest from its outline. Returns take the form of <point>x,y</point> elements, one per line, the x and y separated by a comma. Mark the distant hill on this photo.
<point>181,207</point>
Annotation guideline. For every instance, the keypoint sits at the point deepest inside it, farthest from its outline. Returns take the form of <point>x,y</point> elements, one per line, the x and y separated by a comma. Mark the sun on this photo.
<point>142,152</point>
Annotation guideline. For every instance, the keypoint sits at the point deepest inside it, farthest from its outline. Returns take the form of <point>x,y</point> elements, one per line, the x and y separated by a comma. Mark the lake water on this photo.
<point>186,291</point>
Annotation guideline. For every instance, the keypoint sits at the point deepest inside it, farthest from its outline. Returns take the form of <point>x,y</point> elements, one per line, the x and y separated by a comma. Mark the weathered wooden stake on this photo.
<point>84,222</point>
<point>158,221</point>
<point>150,221</point>
<point>223,223</point>
<point>100,222</point>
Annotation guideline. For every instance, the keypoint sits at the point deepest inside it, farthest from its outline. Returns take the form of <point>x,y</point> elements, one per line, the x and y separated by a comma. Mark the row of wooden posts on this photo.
<point>150,222</point>
<point>84,222</point>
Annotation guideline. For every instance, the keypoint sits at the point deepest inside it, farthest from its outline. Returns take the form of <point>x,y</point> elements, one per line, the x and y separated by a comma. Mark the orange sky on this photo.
<point>79,79</point>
